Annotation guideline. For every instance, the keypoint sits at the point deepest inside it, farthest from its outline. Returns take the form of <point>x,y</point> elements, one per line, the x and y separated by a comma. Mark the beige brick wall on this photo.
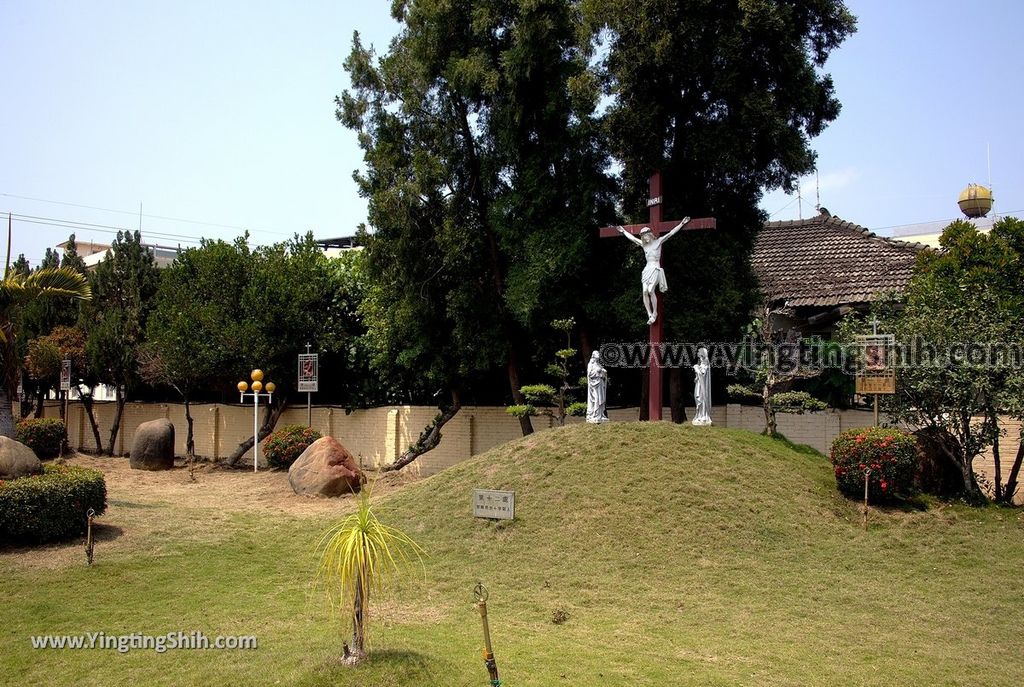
<point>376,436</point>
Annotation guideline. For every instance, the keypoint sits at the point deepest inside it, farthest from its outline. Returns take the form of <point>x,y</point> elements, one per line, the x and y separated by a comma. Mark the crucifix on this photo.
<point>650,236</point>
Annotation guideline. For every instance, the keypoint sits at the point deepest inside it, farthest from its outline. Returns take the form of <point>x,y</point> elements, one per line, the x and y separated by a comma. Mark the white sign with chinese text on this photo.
<point>494,504</point>
<point>65,375</point>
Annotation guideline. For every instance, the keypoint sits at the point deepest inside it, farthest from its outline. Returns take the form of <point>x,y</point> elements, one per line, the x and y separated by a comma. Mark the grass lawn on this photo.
<point>682,555</point>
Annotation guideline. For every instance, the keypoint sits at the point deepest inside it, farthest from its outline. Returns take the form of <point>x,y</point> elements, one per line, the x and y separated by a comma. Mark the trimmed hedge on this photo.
<point>890,455</point>
<point>285,445</point>
<point>50,506</point>
<point>45,436</point>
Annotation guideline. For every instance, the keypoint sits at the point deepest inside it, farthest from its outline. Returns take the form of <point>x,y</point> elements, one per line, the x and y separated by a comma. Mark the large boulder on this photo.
<point>17,460</point>
<point>153,446</point>
<point>325,468</point>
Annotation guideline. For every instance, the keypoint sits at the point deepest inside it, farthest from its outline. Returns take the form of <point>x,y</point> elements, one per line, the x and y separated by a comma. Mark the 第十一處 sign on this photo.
<point>494,504</point>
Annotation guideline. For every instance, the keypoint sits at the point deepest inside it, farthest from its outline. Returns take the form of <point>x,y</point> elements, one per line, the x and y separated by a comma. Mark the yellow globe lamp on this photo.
<point>257,375</point>
<point>975,201</point>
<point>271,387</point>
<point>242,387</point>
<point>257,386</point>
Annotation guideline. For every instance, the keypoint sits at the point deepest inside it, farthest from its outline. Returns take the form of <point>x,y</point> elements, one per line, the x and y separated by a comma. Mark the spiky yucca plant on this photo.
<point>359,556</point>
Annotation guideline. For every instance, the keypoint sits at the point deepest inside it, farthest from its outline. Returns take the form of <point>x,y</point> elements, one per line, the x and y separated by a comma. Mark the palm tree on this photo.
<point>358,556</point>
<point>16,290</point>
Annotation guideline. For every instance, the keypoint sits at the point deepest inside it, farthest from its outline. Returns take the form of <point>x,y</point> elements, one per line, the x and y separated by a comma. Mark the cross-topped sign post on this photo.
<point>658,227</point>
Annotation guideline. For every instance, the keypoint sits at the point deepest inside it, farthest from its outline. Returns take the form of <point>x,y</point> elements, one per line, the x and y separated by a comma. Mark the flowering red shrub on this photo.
<point>888,454</point>
<point>45,436</point>
<point>286,444</point>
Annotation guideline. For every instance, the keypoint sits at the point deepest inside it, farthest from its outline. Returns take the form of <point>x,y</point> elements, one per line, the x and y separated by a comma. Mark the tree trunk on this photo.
<point>997,476</point>
<point>517,397</point>
<point>430,437</point>
<point>41,390</point>
<point>190,444</point>
<point>971,489</point>
<point>586,347</point>
<point>6,413</point>
<point>677,395</point>
<point>1011,480</point>
<point>119,397</point>
<point>356,653</point>
<point>769,411</point>
<point>269,422</point>
<point>88,404</point>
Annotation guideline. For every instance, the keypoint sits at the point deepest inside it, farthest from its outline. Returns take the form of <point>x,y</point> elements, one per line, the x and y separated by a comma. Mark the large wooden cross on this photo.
<point>658,227</point>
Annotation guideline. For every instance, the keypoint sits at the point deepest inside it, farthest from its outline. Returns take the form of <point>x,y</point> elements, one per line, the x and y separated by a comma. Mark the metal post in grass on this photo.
<point>89,542</point>
<point>480,591</point>
<point>257,387</point>
<point>867,475</point>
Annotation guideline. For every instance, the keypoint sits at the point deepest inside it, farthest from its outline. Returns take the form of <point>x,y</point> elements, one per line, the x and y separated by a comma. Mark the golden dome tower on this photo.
<point>975,201</point>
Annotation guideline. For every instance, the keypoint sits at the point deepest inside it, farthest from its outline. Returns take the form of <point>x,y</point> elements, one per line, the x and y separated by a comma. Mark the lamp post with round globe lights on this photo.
<point>257,388</point>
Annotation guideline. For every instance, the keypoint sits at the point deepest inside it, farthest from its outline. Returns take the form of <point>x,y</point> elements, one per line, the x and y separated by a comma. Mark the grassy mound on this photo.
<point>670,555</point>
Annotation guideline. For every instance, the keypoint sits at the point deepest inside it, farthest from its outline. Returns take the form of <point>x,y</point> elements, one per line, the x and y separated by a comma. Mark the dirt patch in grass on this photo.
<point>153,511</point>
<point>221,488</point>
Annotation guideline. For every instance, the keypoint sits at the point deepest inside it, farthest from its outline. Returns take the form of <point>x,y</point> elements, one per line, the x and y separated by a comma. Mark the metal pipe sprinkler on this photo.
<point>480,591</point>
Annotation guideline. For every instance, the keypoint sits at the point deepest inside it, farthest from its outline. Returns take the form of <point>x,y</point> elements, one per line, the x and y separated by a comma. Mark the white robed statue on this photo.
<point>597,390</point>
<point>653,278</point>
<point>702,388</point>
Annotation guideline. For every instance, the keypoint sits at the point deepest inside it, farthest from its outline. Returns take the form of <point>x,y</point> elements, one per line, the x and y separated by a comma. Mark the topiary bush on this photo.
<point>45,436</point>
<point>53,505</point>
<point>740,393</point>
<point>286,444</point>
<point>889,454</point>
<point>796,402</point>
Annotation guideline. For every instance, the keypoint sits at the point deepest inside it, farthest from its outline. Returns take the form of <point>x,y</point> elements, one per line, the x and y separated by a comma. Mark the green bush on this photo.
<point>50,506</point>
<point>796,402</point>
<point>45,436</point>
<point>577,409</point>
<point>739,393</point>
<point>888,453</point>
<point>286,444</point>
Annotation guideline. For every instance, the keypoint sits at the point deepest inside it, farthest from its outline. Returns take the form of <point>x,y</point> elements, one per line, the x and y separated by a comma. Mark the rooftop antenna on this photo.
<point>799,200</point>
<point>140,216</point>
<point>817,191</point>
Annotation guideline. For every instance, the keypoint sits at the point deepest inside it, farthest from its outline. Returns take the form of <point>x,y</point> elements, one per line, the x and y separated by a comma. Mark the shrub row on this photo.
<point>45,436</point>
<point>52,505</point>
<point>285,445</point>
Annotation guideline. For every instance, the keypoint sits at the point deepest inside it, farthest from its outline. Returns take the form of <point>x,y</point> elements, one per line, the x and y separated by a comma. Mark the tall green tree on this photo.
<point>724,97</point>
<point>963,303</point>
<point>193,330</point>
<point>484,179</point>
<point>16,290</point>
<point>71,258</point>
<point>289,298</point>
<point>123,287</point>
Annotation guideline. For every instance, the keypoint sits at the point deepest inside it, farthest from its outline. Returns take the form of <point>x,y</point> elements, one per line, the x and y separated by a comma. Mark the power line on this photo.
<point>102,228</point>
<point>133,214</point>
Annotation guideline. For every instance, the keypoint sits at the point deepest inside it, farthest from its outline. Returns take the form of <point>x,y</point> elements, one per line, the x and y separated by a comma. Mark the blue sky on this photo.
<point>222,113</point>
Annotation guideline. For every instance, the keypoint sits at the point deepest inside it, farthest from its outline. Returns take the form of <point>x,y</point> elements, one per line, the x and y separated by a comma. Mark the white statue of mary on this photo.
<point>597,390</point>
<point>702,388</point>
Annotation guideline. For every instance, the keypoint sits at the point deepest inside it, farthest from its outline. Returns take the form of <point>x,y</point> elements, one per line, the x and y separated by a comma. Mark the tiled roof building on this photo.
<point>817,269</point>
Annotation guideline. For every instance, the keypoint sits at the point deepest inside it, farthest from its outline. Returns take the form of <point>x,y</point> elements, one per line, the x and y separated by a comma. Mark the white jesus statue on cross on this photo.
<point>653,278</point>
